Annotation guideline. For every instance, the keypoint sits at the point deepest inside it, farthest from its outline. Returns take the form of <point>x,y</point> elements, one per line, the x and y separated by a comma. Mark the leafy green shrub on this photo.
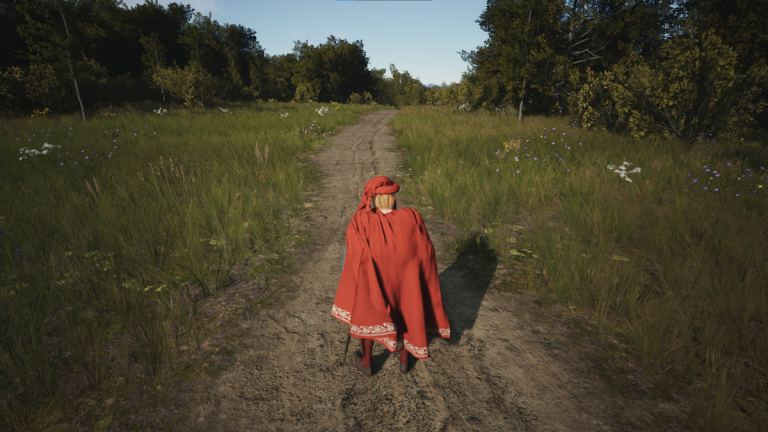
<point>35,85</point>
<point>361,98</point>
<point>693,90</point>
<point>305,92</point>
<point>192,85</point>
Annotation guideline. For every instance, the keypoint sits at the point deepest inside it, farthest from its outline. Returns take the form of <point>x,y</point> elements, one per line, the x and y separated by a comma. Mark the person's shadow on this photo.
<point>463,284</point>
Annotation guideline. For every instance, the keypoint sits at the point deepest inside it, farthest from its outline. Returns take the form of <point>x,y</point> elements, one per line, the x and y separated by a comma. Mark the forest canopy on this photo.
<point>118,55</point>
<point>685,68</point>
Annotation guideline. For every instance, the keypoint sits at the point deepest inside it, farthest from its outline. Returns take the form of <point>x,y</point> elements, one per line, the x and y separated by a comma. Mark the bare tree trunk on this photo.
<point>157,63</point>
<point>525,79</point>
<point>522,98</point>
<point>71,68</point>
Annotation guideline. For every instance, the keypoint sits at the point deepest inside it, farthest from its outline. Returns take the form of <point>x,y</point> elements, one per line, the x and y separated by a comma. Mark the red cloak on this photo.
<point>389,289</point>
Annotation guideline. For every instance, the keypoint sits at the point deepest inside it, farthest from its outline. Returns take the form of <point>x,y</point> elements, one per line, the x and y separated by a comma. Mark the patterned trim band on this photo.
<point>342,314</point>
<point>385,333</point>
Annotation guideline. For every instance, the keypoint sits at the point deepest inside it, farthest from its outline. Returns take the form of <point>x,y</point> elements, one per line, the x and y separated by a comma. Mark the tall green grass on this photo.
<point>674,261</point>
<point>113,237</point>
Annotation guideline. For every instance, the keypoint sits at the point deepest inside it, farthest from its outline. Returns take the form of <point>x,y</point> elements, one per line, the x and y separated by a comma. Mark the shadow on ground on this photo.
<point>464,283</point>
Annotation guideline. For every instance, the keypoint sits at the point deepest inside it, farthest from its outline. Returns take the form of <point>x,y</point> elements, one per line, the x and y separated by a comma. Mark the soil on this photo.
<point>513,363</point>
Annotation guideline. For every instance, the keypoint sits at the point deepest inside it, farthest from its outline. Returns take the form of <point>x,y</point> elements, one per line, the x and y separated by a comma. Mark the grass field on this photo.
<point>663,243</point>
<point>112,231</point>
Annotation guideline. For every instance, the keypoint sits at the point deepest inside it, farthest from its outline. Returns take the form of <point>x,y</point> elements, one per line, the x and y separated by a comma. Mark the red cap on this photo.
<point>377,185</point>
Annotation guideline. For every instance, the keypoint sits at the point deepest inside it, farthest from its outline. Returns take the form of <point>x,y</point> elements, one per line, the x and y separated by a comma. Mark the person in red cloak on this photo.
<point>389,290</point>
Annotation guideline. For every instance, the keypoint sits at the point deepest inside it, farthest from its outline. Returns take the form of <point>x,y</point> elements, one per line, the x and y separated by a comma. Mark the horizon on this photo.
<point>425,41</point>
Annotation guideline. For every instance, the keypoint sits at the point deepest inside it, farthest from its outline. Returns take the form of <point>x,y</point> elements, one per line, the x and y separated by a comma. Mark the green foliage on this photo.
<point>192,84</point>
<point>273,80</point>
<point>405,89</point>
<point>358,98</point>
<point>523,57</point>
<point>671,264</point>
<point>692,91</point>
<point>688,69</point>
<point>332,71</point>
<point>36,86</point>
<point>122,54</point>
<point>306,92</point>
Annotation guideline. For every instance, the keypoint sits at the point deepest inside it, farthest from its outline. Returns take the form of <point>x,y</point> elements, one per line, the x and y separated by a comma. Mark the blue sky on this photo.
<point>422,37</point>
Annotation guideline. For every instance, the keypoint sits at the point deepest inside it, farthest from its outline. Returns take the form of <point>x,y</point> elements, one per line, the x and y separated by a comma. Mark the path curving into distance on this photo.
<point>507,368</point>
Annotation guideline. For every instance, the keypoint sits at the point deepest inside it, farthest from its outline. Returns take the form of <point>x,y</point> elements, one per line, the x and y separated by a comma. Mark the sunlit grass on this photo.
<point>119,226</point>
<point>673,260</point>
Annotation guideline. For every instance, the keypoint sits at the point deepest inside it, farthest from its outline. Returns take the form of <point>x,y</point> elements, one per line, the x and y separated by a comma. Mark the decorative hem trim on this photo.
<point>385,334</point>
<point>444,333</point>
<point>342,314</point>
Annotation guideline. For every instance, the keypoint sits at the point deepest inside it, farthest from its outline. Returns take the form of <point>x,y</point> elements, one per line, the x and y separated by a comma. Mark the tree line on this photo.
<point>685,68</point>
<point>76,55</point>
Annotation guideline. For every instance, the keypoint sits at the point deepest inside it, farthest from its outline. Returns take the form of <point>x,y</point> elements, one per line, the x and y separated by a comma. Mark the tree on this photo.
<point>47,34</point>
<point>534,47</point>
<point>522,60</point>
<point>741,25</point>
<point>331,71</point>
<point>275,79</point>
<point>692,89</point>
<point>153,58</point>
<point>192,84</point>
<point>406,90</point>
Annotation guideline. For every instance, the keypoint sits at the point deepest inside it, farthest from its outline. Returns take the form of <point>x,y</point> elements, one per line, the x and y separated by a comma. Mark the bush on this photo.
<point>305,92</point>
<point>192,85</point>
<point>692,90</point>
<point>34,86</point>
<point>361,98</point>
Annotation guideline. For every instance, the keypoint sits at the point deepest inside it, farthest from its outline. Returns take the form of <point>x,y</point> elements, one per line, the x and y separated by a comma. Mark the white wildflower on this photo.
<point>26,152</point>
<point>160,111</point>
<point>622,170</point>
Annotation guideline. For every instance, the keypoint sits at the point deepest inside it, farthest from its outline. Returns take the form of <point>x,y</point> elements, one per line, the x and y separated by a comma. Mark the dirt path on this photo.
<point>507,367</point>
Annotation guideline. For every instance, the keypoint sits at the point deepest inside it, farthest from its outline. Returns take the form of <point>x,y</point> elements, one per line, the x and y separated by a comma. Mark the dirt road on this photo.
<point>507,367</point>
